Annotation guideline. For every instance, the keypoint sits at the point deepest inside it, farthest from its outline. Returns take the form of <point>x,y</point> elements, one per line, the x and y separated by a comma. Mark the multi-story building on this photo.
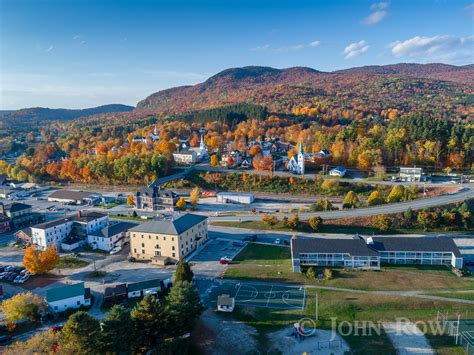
<point>358,253</point>
<point>116,234</point>
<point>69,229</point>
<point>161,241</point>
<point>154,198</point>
<point>20,214</point>
<point>186,157</point>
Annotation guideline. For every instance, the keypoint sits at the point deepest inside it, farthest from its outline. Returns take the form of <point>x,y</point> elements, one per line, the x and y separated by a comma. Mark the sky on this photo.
<point>82,53</point>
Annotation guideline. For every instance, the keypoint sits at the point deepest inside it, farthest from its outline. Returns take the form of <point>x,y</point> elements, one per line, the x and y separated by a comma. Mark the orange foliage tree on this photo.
<point>40,261</point>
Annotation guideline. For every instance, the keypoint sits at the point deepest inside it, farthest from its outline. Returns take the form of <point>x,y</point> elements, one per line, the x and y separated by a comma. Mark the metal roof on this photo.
<point>170,227</point>
<point>143,285</point>
<point>65,292</point>
<point>70,195</point>
<point>114,229</point>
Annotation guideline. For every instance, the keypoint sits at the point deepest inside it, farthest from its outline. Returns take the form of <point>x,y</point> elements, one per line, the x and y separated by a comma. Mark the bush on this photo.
<point>310,273</point>
<point>315,222</point>
<point>382,223</point>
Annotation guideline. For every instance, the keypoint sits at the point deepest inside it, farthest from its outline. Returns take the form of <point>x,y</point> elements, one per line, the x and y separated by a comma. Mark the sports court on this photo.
<point>462,331</point>
<point>261,294</point>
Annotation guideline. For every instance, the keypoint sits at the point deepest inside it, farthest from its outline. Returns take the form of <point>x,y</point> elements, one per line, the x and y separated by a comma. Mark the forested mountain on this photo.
<point>36,115</point>
<point>435,90</point>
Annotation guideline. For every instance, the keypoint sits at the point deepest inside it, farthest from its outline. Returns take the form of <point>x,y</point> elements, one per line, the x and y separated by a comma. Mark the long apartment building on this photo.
<point>359,253</point>
<point>161,241</point>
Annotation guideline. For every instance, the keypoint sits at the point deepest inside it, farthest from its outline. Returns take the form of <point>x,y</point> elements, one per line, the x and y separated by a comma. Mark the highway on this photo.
<point>467,192</point>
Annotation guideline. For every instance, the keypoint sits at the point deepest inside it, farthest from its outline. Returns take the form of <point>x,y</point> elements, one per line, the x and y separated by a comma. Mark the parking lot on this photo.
<point>215,249</point>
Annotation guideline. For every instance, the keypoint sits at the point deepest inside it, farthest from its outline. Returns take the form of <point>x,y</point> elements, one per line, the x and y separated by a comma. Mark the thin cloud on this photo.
<point>470,10</point>
<point>377,15</point>
<point>79,39</point>
<point>355,49</point>
<point>45,49</point>
<point>441,47</point>
<point>285,49</point>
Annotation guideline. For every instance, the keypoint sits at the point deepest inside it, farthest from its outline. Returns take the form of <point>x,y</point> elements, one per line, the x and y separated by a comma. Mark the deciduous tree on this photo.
<point>39,262</point>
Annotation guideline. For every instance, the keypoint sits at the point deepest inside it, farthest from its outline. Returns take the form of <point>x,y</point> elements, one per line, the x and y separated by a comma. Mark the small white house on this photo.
<point>338,171</point>
<point>235,197</point>
<point>410,174</point>
<point>186,157</point>
<point>225,303</point>
<point>114,235</point>
<point>70,296</point>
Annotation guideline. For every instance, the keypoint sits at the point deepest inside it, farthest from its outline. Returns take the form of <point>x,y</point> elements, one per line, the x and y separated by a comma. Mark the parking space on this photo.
<point>215,249</point>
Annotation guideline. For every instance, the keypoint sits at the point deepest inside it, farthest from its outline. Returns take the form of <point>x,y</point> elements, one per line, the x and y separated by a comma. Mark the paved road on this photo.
<point>464,194</point>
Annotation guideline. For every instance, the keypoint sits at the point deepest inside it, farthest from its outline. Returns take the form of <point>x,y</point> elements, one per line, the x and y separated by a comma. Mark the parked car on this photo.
<point>277,241</point>
<point>225,260</point>
<point>115,250</point>
<point>5,339</point>
<point>239,243</point>
<point>286,242</point>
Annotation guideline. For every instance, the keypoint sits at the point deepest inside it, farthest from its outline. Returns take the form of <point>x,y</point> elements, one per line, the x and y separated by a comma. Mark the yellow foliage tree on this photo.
<point>130,200</point>
<point>40,261</point>
<point>214,160</point>
<point>21,306</point>
<point>194,196</point>
<point>181,203</point>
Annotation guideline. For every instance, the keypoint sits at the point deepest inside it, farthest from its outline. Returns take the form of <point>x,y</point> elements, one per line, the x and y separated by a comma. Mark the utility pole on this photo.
<point>457,328</point>
<point>316,305</point>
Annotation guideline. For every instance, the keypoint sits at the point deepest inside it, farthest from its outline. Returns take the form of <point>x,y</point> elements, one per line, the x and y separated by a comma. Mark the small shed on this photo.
<point>118,292</point>
<point>225,303</point>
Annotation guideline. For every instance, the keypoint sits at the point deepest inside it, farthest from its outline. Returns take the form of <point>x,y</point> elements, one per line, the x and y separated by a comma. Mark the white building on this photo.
<point>410,174</point>
<point>187,157</point>
<point>70,296</point>
<point>143,288</point>
<point>201,151</point>
<point>225,303</point>
<point>235,197</point>
<point>70,197</point>
<point>338,171</point>
<point>116,234</point>
<point>70,230</point>
<point>296,163</point>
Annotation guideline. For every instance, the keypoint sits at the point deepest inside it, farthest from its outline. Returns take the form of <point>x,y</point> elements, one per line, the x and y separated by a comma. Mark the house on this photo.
<point>234,156</point>
<point>70,197</point>
<point>6,192</point>
<point>246,163</point>
<point>235,197</point>
<point>20,214</point>
<point>185,157</point>
<point>139,139</point>
<point>154,199</point>
<point>359,253</point>
<point>225,303</point>
<point>346,253</point>
<point>60,299</point>
<point>338,171</point>
<point>144,288</point>
<point>296,163</point>
<point>4,224</point>
<point>168,239</point>
<point>115,234</point>
<point>324,153</point>
<point>411,174</point>
<point>68,232</point>
<point>24,235</point>
<point>417,250</point>
<point>117,292</point>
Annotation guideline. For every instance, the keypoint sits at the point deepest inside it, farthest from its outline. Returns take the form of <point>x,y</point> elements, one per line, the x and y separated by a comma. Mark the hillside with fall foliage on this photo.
<point>434,90</point>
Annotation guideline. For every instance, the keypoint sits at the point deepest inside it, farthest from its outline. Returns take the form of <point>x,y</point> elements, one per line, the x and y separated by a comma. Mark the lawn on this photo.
<point>345,306</point>
<point>458,295</point>
<point>271,263</point>
<point>70,262</point>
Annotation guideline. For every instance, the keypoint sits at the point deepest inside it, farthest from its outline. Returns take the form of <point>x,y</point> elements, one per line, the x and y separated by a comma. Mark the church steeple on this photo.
<point>300,149</point>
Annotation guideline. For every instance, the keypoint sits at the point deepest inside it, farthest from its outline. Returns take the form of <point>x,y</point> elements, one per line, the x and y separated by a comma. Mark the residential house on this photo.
<point>20,214</point>
<point>115,234</point>
<point>166,240</point>
<point>235,156</point>
<point>60,299</point>
<point>117,292</point>
<point>338,171</point>
<point>185,157</point>
<point>411,174</point>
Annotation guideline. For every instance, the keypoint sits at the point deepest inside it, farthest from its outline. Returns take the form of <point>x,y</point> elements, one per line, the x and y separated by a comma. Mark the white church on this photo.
<point>201,151</point>
<point>296,163</point>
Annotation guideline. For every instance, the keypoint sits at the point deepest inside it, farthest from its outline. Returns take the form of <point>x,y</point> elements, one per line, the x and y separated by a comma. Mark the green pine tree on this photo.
<point>149,323</point>
<point>183,272</point>
<point>80,334</point>
<point>117,331</point>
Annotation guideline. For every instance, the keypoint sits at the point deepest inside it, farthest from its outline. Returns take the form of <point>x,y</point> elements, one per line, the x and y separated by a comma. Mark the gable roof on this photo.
<point>114,229</point>
<point>15,207</point>
<point>353,247</point>
<point>415,244</point>
<point>117,290</point>
<point>170,227</point>
<point>143,285</point>
<point>65,292</point>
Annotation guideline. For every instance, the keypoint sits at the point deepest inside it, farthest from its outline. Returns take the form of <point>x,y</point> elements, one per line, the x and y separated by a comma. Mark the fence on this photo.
<point>461,330</point>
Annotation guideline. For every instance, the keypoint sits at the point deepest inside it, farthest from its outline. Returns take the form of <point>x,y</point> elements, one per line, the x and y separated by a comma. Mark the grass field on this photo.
<point>458,295</point>
<point>273,264</point>
<point>70,262</point>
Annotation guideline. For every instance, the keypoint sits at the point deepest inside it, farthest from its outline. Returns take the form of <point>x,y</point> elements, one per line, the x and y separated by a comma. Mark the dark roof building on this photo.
<point>354,247</point>
<point>172,227</point>
<point>413,244</point>
<point>69,196</point>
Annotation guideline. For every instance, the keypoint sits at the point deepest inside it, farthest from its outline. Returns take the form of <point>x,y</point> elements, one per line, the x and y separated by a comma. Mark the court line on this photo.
<point>238,290</point>
<point>255,291</point>
<point>268,299</point>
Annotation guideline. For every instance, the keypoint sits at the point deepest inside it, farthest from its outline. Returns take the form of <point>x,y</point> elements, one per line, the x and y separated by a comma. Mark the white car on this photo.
<point>115,250</point>
<point>226,259</point>
<point>277,241</point>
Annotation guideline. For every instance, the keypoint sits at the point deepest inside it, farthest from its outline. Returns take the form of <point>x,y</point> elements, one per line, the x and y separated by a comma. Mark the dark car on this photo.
<point>286,242</point>
<point>251,238</point>
<point>12,276</point>
<point>239,243</point>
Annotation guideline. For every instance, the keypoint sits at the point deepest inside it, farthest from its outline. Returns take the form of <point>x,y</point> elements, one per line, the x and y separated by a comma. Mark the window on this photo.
<point>174,255</point>
<point>149,236</point>
<point>143,245</point>
<point>172,248</point>
<point>143,251</point>
<point>135,250</point>
<point>78,303</point>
